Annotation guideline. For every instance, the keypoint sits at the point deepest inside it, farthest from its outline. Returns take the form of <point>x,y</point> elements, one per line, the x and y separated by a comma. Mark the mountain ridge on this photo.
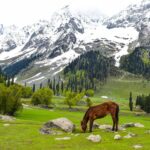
<point>55,43</point>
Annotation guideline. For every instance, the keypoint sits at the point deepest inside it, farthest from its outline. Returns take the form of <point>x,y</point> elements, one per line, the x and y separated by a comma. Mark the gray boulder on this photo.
<point>6,118</point>
<point>56,126</point>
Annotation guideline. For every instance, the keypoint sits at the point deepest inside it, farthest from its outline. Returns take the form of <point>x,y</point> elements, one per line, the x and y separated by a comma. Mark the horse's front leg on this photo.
<point>91,125</point>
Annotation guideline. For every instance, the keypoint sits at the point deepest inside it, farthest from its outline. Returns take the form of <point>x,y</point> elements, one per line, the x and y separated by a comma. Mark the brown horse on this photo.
<point>101,111</point>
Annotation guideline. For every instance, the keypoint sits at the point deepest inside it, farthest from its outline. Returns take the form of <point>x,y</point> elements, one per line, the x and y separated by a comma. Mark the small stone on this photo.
<point>105,126</point>
<point>139,125</point>
<point>63,138</point>
<point>147,132</point>
<point>76,134</point>
<point>132,134</point>
<point>7,118</point>
<point>128,136</point>
<point>105,97</point>
<point>49,131</point>
<point>138,108</point>
<point>95,125</point>
<point>137,146</point>
<point>117,137</point>
<point>94,138</point>
<point>6,125</point>
<point>140,113</point>
<point>127,125</point>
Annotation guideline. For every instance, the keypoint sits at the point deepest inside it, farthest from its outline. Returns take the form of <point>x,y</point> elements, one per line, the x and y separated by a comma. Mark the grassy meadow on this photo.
<point>23,133</point>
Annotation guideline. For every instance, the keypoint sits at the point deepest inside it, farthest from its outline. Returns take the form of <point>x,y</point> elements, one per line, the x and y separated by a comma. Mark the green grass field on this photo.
<point>118,88</point>
<point>23,133</point>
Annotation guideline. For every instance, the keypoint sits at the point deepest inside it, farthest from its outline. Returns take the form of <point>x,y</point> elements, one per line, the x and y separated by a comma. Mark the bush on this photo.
<point>143,102</point>
<point>73,98</point>
<point>42,97</point>
<point>89,93</point>
<point>69,100</point>
<point>10,100</point>
<point>88,102</point>
<point>26,92</point>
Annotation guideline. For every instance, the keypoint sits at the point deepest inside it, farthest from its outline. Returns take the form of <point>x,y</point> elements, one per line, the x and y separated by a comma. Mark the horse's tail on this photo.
<point>117,113</point>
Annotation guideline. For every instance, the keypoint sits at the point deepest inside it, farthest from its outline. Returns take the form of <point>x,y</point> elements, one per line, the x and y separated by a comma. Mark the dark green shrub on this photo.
<point>26,92</point>
<point>89,93</point>
<point>42,97</point>
<point>88,102</point>
<point>10,100</point>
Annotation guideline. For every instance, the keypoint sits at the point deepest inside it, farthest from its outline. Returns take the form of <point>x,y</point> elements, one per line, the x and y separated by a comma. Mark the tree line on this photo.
<point>137,62</point>
<point>87,70</point>
<point>144,102</point>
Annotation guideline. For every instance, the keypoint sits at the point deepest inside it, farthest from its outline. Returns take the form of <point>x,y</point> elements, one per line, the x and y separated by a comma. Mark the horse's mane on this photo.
<point>86,114</point>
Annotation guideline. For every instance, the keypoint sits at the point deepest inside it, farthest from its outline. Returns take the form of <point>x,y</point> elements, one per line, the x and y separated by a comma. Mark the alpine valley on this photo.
<point>38,52</point>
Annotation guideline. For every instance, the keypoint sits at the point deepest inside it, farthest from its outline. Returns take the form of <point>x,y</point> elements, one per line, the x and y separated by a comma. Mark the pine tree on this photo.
<point>12,81</point>
<point>48,82</point>
<point>41,85</point>
<point>130,102</point>
<point>33,87</point>
<point>8,82</point>
<point>54,87</point>
<point>57,88</point>
<point>62,86</point>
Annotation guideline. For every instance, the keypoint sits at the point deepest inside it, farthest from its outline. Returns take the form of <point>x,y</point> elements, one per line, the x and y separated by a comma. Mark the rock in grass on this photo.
<point>108,127</point>
<point>63,138</point>
<point>95,125</point>
<point>56,126</point>
<point>76,134</point>
<point>137,146</point>
<point>117,137</point>
<point>131,124</point>
<point>6,125</point>
<point>129,135</point>
<point>139,125</point>
<point>147,132</point>
<point>105,126</point>
<point>6,118</point>
<point>50,131</point>
<point>94,138</point>
<point>127,125</point>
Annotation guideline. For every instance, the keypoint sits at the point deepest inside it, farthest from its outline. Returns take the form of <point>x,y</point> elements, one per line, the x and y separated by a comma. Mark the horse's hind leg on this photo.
<point>114,122</point>
<point>116,125</point>
<point>91,125</point>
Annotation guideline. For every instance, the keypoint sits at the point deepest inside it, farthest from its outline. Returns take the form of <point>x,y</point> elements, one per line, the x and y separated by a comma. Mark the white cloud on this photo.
<point>27,11</point>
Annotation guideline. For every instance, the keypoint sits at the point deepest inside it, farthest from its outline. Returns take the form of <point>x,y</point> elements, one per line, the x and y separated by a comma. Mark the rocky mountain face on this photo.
<point>40,51</point>
<point>137,16</point>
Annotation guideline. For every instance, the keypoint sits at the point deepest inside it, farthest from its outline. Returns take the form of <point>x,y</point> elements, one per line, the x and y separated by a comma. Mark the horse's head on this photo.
<point>83,126</point>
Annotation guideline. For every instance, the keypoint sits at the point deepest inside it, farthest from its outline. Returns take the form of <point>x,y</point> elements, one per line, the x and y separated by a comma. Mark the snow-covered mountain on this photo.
<point>137,16</point>
<point>37,52</point>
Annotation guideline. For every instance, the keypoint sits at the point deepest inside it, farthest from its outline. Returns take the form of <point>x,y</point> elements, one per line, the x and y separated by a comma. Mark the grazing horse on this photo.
<point>101,111</point>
